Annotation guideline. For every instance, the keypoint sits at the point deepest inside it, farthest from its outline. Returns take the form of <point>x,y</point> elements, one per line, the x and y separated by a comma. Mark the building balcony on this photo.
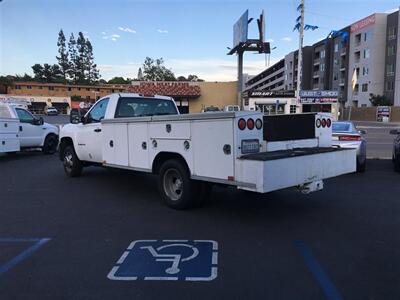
<point>317,62</point>
<point>343,52</point>
<point>316,75</point>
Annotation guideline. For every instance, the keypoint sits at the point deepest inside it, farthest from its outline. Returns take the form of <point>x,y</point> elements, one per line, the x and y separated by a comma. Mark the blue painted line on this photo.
<point>12,240</point>
<point>325,283</point>
<point>28,252</point>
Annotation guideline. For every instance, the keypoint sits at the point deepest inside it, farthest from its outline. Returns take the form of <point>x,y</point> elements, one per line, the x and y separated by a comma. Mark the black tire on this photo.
<point>361,166</point>
<point>50,144</point>
<point>176,188</point>
<point>72,165</point>
<point>397,163</point>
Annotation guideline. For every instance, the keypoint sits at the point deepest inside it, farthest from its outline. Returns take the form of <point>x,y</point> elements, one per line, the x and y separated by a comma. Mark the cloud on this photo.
<point>209,69</point>
<point>287,39</point>
<point>127,29</point>
<point>113,37</point>
<point>162,31</point>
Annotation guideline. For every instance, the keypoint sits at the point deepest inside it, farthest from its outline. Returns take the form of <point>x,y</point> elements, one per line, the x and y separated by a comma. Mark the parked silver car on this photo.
<point>346,135</point>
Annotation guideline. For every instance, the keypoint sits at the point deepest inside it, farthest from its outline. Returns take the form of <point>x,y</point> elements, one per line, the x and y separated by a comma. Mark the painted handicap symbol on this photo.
<point>174,258</point>
<point>194,260</point>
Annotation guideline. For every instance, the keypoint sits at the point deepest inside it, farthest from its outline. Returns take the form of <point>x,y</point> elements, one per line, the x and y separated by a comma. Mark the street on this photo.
<point>271,246</point>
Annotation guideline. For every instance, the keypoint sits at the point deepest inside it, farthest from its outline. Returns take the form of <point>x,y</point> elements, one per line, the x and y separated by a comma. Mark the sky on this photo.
<point>191,36</point>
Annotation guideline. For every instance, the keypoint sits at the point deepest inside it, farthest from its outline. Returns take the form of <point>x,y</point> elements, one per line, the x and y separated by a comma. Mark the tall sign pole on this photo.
<point>300,56</point>
<point>240,78</point>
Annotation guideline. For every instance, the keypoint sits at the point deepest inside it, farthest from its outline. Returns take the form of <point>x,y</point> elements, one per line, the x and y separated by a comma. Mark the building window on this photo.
<point>292,109</point>
<point>356,88</point>
<point>335,61</point>
<point>17,87</point>
<point>322,55</point>
<point>366,53</point>
<point>390,85</point>
<point>40,87</point>
<point>97,90</point>
<point>88,89</point>
<point>358,39</point>
<point>336,47</point>
<point>51,88</point>
<point>335,76</point>
<point>364,87</point>
<point>29,87</point>
<point>69,89</point>
<point>391,33</point>
<point>322,68</point>
<point>79,88</point>
<point>357,56</point>
<point>365,71</point>
<point>391,50</point>
<point>358,72</point>
<point>390,69</point>
<point>367,36</point>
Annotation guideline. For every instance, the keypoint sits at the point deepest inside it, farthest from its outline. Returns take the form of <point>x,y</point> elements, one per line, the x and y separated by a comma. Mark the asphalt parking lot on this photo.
<point>61,237</point>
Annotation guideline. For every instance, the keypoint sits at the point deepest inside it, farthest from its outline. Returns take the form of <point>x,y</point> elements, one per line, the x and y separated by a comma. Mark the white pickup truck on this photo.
<point>19,130</point>
<point>193,151</point>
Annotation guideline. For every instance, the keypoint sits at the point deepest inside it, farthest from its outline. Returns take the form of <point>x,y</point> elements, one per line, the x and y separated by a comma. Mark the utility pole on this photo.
<point>240,78</point>
<point>300,55</point>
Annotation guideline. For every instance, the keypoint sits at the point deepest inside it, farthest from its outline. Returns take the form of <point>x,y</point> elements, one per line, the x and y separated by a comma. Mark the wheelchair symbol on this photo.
<point>175,259</point>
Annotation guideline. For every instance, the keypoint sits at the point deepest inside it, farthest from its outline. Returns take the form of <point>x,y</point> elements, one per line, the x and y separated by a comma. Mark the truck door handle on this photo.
<point>97,130</point>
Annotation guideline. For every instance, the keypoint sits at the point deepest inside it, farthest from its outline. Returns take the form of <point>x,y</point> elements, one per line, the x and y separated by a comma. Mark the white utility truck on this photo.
<point>191,152</point>
<point>19,129</point>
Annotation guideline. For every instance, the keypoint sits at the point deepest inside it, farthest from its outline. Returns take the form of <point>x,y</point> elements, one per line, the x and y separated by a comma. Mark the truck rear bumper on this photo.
<point>276,170</point>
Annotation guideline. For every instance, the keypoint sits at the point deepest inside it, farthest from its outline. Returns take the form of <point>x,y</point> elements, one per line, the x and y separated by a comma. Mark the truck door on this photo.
<point>30,133</point>
<point>89,135</point>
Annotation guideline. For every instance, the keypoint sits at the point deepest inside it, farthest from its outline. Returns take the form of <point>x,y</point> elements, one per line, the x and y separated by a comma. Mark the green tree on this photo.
<point>62,58</point>
<point>181,78</point>
<point>72,53</point>
<point>194,78</point>
<point>91,68</point>
<point>38,72</point>
<point>379,100</point>
<point>118,80</point>
<point>140,74</point>
<point>80,59</point>
<point>154,70</point>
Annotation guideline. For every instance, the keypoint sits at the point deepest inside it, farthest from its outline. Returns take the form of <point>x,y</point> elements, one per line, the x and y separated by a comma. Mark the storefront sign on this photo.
<point>363,23</point>
<point>383,113</point>
<point>311,97</point>
<point>269,94</point>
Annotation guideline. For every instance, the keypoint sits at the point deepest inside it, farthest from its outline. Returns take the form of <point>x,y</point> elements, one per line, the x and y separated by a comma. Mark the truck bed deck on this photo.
<point>280,154</point>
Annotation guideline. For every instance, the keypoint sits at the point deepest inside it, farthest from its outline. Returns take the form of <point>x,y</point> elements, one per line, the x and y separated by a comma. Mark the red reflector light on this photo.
<point>349,138</point>
<point>231,178</point>
<point>250,124</point>
<point>242,124</point>
<point>323,123</point>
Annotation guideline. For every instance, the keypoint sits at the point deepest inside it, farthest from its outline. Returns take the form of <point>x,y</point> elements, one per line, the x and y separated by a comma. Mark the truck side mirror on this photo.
<point>75,116</point>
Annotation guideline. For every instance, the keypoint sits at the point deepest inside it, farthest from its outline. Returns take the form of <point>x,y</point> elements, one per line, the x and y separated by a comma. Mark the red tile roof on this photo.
<point>166,88</point>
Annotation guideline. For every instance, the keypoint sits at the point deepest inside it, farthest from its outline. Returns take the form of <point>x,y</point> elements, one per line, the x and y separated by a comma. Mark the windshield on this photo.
<point>341,127</point>
<point>139,107</point>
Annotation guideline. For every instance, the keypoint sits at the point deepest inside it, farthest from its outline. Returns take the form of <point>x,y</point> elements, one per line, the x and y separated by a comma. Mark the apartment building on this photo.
<point>291,65</point>
<point>392,56</point>
<point>367,59</point>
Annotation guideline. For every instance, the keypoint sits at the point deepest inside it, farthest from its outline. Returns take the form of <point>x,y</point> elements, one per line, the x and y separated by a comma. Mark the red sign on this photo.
<point>363,23</point>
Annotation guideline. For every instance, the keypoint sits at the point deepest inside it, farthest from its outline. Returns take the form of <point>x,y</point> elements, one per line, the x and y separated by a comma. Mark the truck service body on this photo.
<point>190,152</point>
<point>19,129</point>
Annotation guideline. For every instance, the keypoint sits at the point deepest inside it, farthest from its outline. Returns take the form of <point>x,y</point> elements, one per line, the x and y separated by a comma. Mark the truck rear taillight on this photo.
<point>258,124</point>
<point>323,123</point>
<point>328,123</point>
<point>349,138</point>
<point>250,124</point>
<point>242,124</point>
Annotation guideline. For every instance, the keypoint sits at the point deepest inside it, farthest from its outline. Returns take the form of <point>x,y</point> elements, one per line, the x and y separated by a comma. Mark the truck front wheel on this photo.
<point>72,164</point>
<point>50,144</point>
<point>176,188</point>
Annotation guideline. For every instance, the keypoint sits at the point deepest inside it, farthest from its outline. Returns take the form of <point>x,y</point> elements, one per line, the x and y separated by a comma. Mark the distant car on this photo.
<point>396,149</point>
<point>232,108</point>
<point>346,135</point>
<point>51,111</point>
<point>210,109</point>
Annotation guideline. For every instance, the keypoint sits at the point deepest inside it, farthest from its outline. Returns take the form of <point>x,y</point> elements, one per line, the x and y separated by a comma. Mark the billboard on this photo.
<point>370,20</point>
<point>240,29</point>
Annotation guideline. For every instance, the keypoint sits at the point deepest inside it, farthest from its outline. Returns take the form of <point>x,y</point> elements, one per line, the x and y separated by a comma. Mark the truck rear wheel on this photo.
<point>72,165</point>
<point>176,188</point>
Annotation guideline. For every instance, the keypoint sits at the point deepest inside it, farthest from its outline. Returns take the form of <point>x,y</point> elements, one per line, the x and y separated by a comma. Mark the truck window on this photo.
<point>98,112</point>
<point>139,107</point>
<point>24,116</point>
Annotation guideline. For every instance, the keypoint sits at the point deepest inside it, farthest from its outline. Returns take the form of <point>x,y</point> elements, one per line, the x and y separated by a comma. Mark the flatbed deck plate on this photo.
<point>280,154</point>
